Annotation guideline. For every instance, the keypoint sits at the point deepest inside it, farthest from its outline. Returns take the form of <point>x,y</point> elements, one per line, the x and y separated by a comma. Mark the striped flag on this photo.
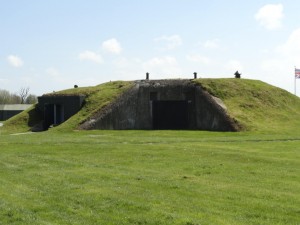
<point>297,73</point>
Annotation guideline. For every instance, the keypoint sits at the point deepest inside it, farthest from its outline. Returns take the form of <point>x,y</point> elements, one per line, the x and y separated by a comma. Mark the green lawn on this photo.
<point>72,177</point>
<point>150,177</point>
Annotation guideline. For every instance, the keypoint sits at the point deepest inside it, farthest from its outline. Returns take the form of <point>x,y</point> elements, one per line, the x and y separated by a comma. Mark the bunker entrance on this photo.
<point>170,115</point>
<point>54,114</point>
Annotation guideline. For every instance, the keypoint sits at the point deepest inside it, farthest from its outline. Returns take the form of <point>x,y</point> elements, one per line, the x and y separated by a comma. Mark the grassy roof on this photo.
<point>256,105</point>
<point>96,98</point>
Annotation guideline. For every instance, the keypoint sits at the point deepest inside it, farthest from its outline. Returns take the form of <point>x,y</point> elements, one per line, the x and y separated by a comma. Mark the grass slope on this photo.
<point>149,177</point>
<point>96,98</point>
<point>257,106</point>
<point>22,122</point>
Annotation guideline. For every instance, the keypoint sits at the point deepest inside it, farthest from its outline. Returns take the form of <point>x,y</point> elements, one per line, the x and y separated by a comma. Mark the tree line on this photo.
<point>21,97</point>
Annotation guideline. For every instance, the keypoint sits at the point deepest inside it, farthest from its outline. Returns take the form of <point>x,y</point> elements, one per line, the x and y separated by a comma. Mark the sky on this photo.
<point>51,45</point>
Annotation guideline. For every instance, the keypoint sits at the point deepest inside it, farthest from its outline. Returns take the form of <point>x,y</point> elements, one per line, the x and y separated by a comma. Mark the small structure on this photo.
<point>174,104</point>
<point>9,110</point>
<point>237,74</point>
<point>57,108</point>
<point>163,105</point>
<point>195,75</point>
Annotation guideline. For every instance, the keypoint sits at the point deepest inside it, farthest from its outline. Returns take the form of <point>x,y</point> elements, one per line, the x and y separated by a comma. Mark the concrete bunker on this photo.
<point>9,110</point>
<point>56,109</point>
<point>163,104</point>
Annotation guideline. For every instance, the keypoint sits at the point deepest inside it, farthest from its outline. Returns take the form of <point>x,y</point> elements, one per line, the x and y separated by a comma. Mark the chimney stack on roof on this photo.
<point>195,75</point>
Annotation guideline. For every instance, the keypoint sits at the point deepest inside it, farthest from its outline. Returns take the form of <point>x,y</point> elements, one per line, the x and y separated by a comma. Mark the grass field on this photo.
<point>64,176</point>
<point>150,177</point>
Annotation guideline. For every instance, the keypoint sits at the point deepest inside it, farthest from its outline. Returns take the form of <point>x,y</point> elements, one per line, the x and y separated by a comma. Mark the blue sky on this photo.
<point>53,45</point>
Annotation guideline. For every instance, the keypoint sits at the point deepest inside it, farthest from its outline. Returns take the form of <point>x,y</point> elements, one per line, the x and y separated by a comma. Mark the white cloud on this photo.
<point>270,16</point>
<point>112,46</point>
<point>278,71</point>
<point>127,62</point>
<point>128,69</point>
<point>15,61</point>
<point>52,72</point>
<point>291,48</point>
<point>287,54</point>
<point>172,41</point>
<point>56,77</point>
<point>234,65</point>
<point>63,81</point>
<point>159,61</point>
<point>278,67</point>
<point>198,59</point>
<point>272,65</point>
<point>90,56</point>
<point>162,66</point>
<point>214,43</point>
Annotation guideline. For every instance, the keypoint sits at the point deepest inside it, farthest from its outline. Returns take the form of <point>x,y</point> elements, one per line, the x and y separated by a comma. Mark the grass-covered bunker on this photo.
<point>9,110</point>
<point>251,105</point>
<point>58,108</point>
<point>148,104</point>
<point>163,104</point>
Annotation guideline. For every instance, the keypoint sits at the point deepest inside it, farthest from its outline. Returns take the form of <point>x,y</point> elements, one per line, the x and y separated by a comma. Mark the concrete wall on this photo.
<point>60,106</point>
<point>5,115</point>
<point>210,115</point>
<point>134,109</point>
<point>9,110</point>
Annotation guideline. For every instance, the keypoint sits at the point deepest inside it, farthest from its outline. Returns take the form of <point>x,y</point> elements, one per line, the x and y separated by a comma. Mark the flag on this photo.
<point>297,73</point>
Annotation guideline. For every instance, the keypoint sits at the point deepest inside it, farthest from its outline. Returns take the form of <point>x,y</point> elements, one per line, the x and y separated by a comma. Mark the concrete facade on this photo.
<point>163,104</point>
<point>9,110</point>
<point>58,108</point>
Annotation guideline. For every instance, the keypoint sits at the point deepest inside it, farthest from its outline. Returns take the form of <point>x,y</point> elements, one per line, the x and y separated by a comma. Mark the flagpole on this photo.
<point>295,87</point>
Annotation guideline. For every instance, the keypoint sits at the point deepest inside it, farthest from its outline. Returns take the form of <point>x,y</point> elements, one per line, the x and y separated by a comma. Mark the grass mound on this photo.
<point>22,122</point>
<point>96,98</point>
<point>255,104</point>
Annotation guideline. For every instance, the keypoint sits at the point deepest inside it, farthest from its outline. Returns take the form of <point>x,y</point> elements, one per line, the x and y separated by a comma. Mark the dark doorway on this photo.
<point>170,115</point>
<point>49,115</point>
<point>54,114</point>
<point>59,114</point>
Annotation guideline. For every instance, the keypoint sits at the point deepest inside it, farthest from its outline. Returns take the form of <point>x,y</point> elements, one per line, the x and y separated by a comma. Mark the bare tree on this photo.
<point>22,97</point>
<point>23,93</point>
